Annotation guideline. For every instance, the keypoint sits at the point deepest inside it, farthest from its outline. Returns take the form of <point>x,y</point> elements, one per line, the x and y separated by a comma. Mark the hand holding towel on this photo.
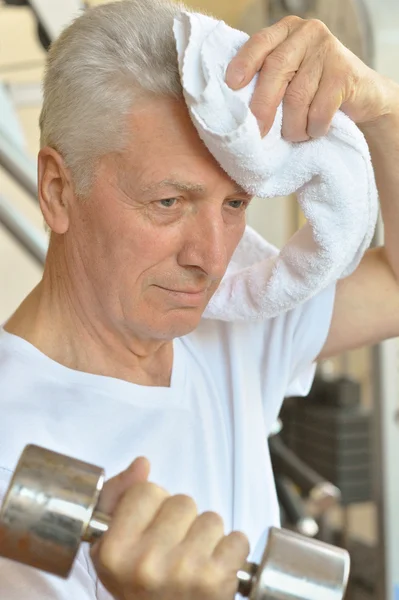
<point>332,175</point>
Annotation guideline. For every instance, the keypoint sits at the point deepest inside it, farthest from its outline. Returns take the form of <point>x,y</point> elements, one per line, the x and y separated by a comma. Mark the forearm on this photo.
<point>383,140</point>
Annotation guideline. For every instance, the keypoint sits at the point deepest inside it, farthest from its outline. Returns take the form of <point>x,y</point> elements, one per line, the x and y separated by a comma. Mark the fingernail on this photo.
<point>317,131</point>
<point>262,128</point>
<point>234,76</point>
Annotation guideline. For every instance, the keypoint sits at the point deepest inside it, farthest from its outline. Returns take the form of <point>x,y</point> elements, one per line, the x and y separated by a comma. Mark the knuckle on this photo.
<point>147,487</point>
<point>351,83</point>
<point>146,573</point>
<point>317,26</point>
<point>155,490</point>
<point>292,20</point>
<point>185,503</point>
<point>276,61</point>
<point>184,571</point>
<point>144,491</point>
<point>241,542</point>
<point>259,37</point>
<point>212,519</point>
<point>332,44</point>
<point>263,36</point>
<point>296,97</point>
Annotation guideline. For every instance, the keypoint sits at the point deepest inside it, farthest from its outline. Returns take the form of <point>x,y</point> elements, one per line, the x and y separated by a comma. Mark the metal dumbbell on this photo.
<point>49,509</point>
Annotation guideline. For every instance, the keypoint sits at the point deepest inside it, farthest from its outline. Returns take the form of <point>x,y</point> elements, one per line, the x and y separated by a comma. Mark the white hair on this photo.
<point>108,57</point>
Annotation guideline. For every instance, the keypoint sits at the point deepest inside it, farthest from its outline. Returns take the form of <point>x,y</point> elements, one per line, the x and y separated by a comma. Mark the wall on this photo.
<point>19,47</point>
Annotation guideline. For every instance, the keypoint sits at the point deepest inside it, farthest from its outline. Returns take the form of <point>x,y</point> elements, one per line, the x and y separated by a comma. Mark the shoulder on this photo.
<point>214,335</point>
<point>309,317</point>
<point>280,350</point>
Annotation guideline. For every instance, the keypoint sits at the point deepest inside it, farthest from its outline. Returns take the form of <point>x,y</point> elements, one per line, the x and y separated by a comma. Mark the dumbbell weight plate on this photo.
<point>295,567</point>
<point>48,508</point>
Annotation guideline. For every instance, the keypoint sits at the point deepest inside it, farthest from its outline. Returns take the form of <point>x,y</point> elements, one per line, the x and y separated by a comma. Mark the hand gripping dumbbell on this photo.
<point>49,509</point>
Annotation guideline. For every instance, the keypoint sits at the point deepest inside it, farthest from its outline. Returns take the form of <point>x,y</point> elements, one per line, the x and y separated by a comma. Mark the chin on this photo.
<point>167,320</point>
<point>184,326</point>
<point>178,325</point>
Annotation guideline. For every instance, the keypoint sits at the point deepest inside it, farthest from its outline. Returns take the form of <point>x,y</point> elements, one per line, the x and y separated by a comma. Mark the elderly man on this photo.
<point>108,358</point>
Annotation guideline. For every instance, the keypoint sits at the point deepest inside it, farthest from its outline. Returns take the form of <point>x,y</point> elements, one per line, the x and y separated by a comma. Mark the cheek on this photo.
<point>233,238</point>
<point>122,231</point>
<point>135,251</point>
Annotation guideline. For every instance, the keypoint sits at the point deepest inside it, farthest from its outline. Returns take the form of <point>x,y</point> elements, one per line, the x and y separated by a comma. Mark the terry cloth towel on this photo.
<point>332,175</point>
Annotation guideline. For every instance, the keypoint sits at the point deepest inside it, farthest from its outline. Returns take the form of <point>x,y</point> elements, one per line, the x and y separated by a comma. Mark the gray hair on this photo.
<point>109,56</point>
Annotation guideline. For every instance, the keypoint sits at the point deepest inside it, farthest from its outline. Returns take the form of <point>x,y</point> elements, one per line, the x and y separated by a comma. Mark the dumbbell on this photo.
<point>50,508</point>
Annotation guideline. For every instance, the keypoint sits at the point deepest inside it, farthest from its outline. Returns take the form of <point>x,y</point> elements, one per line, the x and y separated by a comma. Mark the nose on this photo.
<point>205,244</point>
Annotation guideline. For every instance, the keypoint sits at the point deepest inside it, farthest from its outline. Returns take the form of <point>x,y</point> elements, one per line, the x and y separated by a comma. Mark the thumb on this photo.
<point>137,472</point>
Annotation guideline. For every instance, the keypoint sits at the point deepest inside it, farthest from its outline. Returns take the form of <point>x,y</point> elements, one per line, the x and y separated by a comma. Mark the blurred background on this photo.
<point>348,421</point>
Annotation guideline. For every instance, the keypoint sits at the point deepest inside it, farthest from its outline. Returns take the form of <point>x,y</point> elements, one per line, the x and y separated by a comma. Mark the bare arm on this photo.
<point>366,309</point>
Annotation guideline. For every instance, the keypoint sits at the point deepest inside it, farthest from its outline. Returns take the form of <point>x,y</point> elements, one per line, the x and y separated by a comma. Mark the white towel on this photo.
<point>332,175</point>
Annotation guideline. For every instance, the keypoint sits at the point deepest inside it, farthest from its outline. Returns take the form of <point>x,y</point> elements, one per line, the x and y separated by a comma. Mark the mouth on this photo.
<point>199,291</point>
<point>189,297</point>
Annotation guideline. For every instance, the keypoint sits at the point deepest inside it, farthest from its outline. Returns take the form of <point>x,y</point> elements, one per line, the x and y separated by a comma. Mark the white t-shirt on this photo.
<point>205,435</point>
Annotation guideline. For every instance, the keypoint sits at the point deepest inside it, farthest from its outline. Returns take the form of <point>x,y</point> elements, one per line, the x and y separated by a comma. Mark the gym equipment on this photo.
<point>293,507</point>
<point>50,508</point>
<point>331,433</point>
<point>303,494</point>
<point>322,494</point>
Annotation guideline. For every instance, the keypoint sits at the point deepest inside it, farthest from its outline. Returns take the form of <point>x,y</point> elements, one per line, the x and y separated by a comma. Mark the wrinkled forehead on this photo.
<point>164,150</point>
<point>161,124</point>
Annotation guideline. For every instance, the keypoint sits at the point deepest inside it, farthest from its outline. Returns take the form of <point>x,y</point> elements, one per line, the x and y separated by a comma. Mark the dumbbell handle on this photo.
<point>99,524</point>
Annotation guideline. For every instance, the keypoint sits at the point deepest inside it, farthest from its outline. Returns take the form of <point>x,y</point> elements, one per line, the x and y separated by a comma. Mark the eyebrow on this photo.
<point>185,186</point>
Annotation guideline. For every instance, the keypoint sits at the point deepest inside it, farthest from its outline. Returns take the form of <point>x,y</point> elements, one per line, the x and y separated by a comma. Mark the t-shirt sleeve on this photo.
<point>19,581</point>
<point>290,344</point>
<point>310,324</point>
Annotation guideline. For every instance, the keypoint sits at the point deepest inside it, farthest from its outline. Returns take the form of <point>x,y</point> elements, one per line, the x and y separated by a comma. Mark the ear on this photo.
<point>56,192</point>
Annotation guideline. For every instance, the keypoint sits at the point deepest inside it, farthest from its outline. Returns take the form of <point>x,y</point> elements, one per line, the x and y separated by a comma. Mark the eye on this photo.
<point>237,203</point>
<point>168,202</point>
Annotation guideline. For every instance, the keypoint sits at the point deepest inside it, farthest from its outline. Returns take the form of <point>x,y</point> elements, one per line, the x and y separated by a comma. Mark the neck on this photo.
<point>73,331</point>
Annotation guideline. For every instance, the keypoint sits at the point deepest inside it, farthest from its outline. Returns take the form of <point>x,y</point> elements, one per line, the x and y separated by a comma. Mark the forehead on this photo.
<point>164,149</point>
<point>162,122</point>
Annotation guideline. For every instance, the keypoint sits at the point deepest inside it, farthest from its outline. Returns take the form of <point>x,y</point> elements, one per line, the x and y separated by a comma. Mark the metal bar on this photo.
<point>30,238</point>
<point>19,165</point>
<point>386,484</point>
<point>386,448</point>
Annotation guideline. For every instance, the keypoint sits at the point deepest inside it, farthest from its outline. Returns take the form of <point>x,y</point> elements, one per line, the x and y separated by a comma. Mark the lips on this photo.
<point>200,291</point>
<point>186,291</point>
<point>191,297</point>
